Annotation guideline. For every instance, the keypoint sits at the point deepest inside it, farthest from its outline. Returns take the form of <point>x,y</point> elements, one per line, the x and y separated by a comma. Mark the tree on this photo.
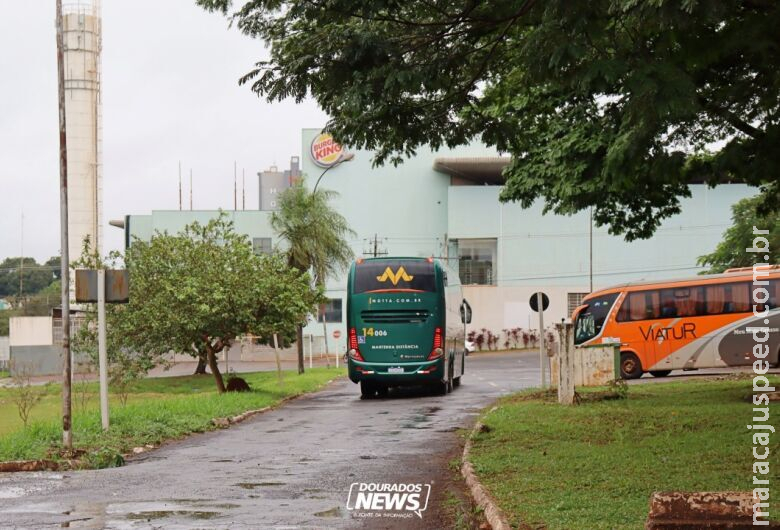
<point>54,265</point>
<point>315,234</point>
<point>615,104</point>
<point>730,252</point>
<point>34,277</point>
<point>199,290</point>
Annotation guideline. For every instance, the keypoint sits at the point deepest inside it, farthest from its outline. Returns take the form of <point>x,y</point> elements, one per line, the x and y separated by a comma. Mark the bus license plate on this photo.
<point>395,370</point>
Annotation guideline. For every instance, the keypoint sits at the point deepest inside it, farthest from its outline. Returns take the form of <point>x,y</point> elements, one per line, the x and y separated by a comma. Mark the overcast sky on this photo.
<point>170,93</point>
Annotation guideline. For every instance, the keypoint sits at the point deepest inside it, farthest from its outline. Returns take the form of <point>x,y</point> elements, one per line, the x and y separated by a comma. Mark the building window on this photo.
<point>573,301</point>
<point>477,259</point>
<point>331,310</point>
<point>261,245</point>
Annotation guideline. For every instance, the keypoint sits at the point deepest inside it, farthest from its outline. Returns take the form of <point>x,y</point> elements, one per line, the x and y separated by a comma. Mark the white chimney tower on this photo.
<point>82,36</point>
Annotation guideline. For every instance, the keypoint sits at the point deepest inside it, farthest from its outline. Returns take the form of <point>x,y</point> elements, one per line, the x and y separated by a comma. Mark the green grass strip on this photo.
<point>595,465</point>
<point>158,409</point>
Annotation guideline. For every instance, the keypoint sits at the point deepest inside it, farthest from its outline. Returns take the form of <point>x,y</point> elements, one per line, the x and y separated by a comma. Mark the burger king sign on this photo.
<point>325,151</point>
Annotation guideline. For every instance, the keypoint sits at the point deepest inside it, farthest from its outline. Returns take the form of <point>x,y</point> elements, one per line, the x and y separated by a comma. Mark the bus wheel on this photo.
<point>456,382</point>
<point>441,387</point>
<point>382,390</point>
<point>367,389</point>
<point>660,373</point>
<point>630,367</point>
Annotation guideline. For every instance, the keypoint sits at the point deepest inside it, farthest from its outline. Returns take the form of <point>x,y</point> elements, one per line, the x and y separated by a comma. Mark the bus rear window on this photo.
<point>392,275</point>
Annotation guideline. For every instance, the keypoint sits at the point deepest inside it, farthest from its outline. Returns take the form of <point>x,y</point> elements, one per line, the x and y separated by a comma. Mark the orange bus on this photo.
<point>700,322</point>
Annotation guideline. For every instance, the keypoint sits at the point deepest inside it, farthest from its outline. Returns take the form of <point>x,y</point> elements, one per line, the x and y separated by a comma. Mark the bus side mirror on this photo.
<point>465,312</point>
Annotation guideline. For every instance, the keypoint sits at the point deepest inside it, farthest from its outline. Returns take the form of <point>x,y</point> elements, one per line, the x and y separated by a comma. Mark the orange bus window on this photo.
<point>740,298</point>
<point>689,304</point>
<point>644,305</point>
<point>637,306</point>
<point>716,299</point>
<point>623,313</point>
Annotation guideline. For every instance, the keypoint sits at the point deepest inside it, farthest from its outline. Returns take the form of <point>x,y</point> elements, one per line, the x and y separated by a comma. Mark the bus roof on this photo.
<point>730,274</point>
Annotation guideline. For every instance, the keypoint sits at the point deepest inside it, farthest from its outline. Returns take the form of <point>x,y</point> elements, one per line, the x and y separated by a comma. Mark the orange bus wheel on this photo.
<point>630,366</point>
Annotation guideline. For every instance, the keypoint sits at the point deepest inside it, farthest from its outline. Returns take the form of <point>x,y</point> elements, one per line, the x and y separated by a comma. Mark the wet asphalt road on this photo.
<point>289,468</point>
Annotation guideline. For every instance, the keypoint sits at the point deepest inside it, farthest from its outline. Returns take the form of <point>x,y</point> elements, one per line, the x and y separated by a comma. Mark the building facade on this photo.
<point>445,204</point>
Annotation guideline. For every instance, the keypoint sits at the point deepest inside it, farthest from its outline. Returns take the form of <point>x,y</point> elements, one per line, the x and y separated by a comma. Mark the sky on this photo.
<point>170,93</point>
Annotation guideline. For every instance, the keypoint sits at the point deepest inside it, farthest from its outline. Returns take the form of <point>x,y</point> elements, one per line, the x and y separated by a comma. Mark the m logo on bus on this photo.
<point>395,277</point>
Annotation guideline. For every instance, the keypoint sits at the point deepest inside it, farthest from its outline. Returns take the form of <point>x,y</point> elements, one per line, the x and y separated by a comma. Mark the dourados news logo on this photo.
<point>370,499</point>
<point>395,277</point>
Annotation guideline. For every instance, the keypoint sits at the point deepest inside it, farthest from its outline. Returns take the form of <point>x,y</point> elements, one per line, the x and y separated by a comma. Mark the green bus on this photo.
<point>406,325</point>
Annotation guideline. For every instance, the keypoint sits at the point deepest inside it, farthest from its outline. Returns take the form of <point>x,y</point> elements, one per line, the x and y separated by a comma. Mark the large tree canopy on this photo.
<point>616,104</point>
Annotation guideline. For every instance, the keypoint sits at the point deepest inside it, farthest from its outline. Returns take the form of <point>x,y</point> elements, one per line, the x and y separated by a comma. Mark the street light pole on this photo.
<point>346,158</point>
<point>67,433</point>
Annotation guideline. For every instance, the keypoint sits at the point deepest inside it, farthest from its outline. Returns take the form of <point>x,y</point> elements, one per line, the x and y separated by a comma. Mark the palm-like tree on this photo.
<point>316,235</point>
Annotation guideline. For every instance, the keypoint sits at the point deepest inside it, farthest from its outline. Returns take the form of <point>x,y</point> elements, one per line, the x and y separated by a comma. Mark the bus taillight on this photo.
<point>354,351</point>
<point>437,345</point>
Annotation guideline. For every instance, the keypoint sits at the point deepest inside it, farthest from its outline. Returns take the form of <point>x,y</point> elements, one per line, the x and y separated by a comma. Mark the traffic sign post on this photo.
<point>102,286</point>
<point>102,353</point>
<point>336,335</point>
<point>539,302</point>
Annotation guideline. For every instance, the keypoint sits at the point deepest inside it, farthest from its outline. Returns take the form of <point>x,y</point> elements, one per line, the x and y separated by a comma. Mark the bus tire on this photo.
<point>456,382</point>
<point>630,366</point>
<point>382,390</point>
<point>440,388</point>
<point>660,373</point>
<point>367,389</point>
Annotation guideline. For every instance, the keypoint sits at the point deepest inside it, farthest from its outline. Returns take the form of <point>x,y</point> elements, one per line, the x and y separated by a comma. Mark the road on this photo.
<point>288,468</point>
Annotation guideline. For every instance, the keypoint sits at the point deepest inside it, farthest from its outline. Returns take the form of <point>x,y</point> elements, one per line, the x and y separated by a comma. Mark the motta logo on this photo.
<point>389,500</point>
<point>396,276</point>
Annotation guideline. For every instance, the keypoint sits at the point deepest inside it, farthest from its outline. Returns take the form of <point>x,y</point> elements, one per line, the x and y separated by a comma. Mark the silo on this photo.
<point>83,114</point>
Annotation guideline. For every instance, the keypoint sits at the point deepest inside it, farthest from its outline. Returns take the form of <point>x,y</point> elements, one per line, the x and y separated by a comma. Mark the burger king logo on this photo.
<point>325,151</point>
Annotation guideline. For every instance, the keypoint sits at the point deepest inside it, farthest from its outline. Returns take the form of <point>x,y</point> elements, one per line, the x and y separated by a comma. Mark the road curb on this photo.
<point>495,517</point>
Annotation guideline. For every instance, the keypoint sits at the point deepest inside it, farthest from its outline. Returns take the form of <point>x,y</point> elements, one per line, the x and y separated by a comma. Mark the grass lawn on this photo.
<point>157,409</point>
<point>595,465</point>
<point>4,373</point>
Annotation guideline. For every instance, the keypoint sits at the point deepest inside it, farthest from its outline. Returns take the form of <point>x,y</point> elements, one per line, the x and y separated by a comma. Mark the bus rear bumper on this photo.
<point>397,373</point>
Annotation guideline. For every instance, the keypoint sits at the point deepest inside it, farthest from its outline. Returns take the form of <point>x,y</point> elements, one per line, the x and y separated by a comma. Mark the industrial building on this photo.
<point>445,204</point>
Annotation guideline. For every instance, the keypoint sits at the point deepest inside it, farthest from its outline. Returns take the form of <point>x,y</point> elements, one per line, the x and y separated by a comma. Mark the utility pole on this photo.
<point>21,262</point>
<point>590,252</point>
<point>67,434</point>
<point>373,248</point>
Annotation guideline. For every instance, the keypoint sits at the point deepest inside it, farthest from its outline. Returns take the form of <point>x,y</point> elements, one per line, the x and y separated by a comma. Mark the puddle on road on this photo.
<point>333,512</point>
<point>253,485</point>
<point>162,514</point>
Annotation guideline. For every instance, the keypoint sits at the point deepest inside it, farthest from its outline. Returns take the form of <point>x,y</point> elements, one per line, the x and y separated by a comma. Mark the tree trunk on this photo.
<point>201,368</point>
<point>212,357</point>
<point>300,349</point>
